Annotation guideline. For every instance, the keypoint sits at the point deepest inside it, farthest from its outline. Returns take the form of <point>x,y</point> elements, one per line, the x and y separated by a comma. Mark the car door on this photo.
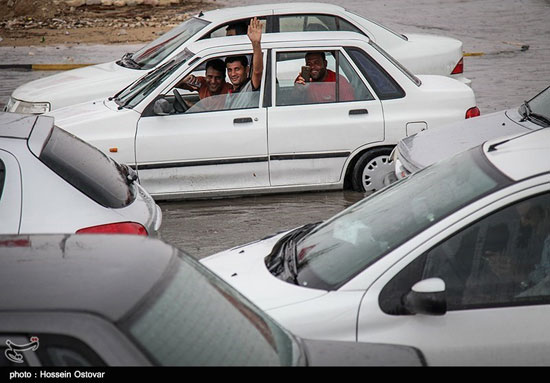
<point>10,193</point>
<point>496,271</point>
<point>310,137</point>
<point>204,149</point>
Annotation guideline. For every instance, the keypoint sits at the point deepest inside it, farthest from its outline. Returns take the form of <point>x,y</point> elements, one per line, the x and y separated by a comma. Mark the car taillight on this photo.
<point>473,112</point>
<point>459,68</point>
<point>115,228</point>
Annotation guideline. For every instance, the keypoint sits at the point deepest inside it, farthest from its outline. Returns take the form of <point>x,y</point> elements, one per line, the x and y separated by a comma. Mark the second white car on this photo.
<point>421,53</point>
<point>282,142</point>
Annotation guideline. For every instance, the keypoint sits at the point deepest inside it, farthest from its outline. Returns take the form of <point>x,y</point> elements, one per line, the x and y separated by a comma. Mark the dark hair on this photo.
<point>216,64</point>
<point>320,53</point>
<point>242,59</point>
<point>240,27</point>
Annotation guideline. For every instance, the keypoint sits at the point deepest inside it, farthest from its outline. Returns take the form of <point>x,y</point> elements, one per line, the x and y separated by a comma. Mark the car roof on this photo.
<point>298,38</point>
<point>15,125</point>
<point>223,14</point>
<point>522,156</point>
<point>102,274</point>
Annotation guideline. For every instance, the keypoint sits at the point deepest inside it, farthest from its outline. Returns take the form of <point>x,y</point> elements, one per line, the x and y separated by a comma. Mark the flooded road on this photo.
<point>503,75</point>
<point>208,226</point>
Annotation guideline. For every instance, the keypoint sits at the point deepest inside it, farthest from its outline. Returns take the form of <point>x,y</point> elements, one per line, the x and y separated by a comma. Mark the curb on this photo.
<point>30,67</point>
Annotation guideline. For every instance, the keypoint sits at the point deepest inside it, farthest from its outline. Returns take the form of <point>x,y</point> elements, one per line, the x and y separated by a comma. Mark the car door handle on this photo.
<point>355,112</point>
<point>243,120</point>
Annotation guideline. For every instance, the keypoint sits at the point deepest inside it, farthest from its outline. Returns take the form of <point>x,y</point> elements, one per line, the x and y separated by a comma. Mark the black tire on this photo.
<point>371,168</point>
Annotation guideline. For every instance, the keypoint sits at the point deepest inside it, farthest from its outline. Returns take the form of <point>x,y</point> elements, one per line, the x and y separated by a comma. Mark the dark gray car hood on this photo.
<point>430,146</point>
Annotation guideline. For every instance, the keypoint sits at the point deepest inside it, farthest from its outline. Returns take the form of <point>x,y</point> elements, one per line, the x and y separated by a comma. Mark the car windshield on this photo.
<point>156,51</point>
<point>336,251</point>
<point>195,319</point>
<point>88,169</point>
<point>132,95</point>
<point>538,108</point>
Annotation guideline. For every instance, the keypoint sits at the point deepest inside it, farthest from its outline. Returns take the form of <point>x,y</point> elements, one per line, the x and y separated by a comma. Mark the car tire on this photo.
<point>370,170</point>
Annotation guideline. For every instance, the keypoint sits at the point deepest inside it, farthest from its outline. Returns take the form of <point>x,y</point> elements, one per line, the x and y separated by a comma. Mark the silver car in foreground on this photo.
<point>53,182</point>
<point>426,147</point>
<point>122,300</point>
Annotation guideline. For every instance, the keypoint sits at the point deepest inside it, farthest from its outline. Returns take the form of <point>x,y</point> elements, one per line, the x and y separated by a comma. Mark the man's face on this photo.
<point>318,66</point>
<point>237,73</point>
<point>214,80</point>
<point>230,32</point>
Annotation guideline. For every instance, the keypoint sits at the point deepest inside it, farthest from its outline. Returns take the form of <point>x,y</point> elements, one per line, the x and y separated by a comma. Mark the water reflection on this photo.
<point>204,227</point>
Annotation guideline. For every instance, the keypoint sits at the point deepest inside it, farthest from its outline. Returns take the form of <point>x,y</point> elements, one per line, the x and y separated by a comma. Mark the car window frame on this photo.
<point>338,51</point>
<point>337,17</point>
<point>268,25</point>
<point>192,66</point>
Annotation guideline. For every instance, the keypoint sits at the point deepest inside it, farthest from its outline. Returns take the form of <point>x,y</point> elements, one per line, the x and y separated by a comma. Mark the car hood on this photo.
<point>84,112</point>
<point>244,268</point>
<point>430,146</point>
<point>78,85</point>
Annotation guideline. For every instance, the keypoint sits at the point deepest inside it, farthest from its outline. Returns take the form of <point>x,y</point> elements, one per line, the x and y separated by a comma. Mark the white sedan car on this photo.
<point>453,260</point>
<point>52,182</point>
<point>422,54</point>
<point>283,141</point>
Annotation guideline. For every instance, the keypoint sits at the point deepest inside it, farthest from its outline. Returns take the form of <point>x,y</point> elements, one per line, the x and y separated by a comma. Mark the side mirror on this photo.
<point>427,297</point>
<point>163,107</point>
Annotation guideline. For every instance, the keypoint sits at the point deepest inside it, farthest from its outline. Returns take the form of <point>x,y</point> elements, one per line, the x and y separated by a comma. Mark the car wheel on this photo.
<point>371,169</point>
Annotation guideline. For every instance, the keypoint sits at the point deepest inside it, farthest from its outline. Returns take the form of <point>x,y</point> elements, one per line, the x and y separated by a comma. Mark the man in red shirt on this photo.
<point>322,84</point>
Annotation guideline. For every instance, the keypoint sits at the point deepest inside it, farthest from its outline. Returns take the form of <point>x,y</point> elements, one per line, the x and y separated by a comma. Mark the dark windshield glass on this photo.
<point>339,249</point>
<point>540,105</point>
<point>87,169</point>
<point>197,320</point>
<point>155,52</point>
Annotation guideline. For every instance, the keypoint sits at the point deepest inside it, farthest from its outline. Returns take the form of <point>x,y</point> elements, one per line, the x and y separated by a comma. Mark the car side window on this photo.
<point>313,23</point>
<point>501,260</point>
<point>310,77</point>
<point>384,85</point>
<point>207,88</point>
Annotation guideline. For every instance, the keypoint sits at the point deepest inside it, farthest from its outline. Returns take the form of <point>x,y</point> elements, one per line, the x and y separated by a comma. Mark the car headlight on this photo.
<point>18,106</point>
<point>10,105</point>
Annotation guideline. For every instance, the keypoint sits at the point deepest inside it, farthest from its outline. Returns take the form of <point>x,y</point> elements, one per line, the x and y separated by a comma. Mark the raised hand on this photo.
<point>255,30</point>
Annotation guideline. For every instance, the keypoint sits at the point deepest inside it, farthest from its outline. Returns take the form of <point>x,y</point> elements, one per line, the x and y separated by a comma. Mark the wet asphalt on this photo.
<point>504,72</point>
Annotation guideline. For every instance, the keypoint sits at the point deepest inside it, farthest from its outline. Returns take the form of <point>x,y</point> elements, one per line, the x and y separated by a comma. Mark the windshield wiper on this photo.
<point>528,114</point>
<point>283,261</point>
<point>128,62</point>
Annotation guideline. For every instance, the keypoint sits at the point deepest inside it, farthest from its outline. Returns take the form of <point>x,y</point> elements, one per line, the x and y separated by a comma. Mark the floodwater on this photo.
<point>503,73</point>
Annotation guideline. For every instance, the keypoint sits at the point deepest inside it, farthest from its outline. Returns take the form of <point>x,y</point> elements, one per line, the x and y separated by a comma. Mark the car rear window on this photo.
<point>87,169</point>
<point>192,318</point>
